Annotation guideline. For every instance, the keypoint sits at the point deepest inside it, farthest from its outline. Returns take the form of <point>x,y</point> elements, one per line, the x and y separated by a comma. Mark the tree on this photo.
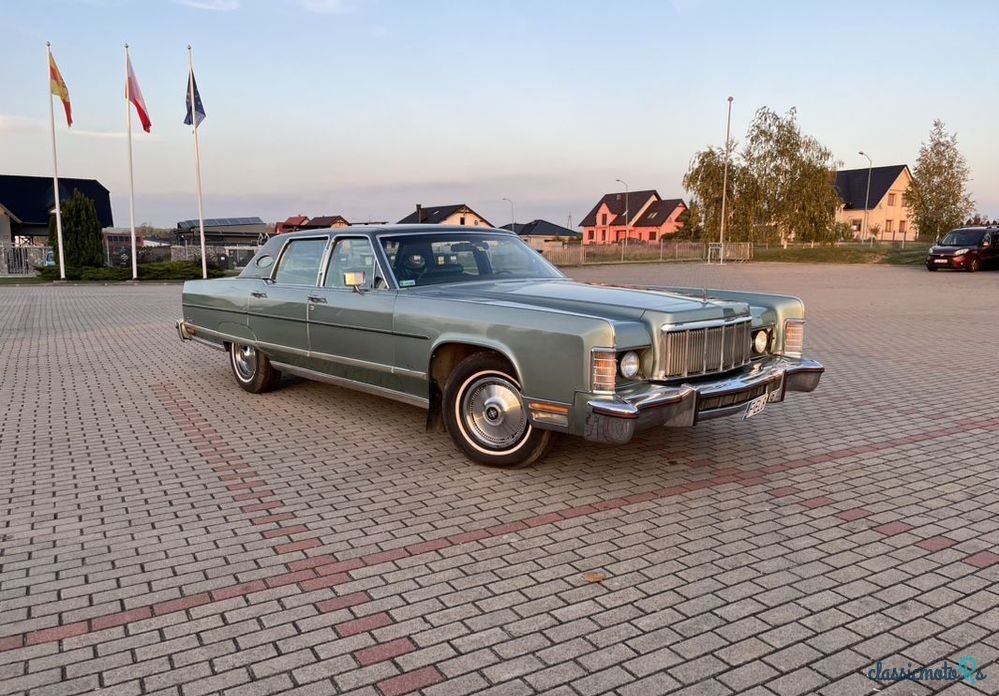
<point>938,199</point>
<point>81,233</point>
<point>794,178</point>
<point>690,222</point>
<point>781,184</point>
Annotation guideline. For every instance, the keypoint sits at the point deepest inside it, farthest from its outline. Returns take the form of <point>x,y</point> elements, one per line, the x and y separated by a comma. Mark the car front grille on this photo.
<point>705,348</point>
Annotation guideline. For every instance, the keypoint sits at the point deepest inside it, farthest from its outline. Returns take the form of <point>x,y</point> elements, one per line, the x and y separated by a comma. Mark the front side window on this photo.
<point>354,255</point>
<point>453,258</point>
<point>299,264</point>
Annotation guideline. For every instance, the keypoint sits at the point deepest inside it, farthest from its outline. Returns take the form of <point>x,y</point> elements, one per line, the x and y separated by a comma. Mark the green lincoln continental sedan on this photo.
<point>499,346</point>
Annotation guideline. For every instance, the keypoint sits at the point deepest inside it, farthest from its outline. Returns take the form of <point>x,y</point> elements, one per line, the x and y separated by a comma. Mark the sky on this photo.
<point>365,108</point>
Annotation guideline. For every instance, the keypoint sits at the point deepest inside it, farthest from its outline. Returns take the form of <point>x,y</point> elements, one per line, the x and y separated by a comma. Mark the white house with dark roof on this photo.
<point>889,218</point>
<point>458,214</point>
<point>636,215</point>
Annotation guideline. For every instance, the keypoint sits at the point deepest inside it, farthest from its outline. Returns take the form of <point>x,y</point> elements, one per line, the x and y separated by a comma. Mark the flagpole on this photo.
<point>131,181</point>
<point>197,158</point>
<point>55,171</point>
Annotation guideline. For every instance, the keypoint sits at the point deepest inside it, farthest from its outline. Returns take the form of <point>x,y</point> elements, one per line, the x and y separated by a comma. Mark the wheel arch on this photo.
<point>445,356</point>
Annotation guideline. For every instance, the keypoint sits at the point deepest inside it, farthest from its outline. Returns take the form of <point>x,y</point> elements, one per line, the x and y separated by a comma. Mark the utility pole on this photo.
<point>867,198</point>
<point>721,231</point>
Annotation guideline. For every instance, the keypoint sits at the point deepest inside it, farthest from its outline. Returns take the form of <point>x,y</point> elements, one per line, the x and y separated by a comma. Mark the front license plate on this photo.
<point>755,406</point>
<point>939,260</point>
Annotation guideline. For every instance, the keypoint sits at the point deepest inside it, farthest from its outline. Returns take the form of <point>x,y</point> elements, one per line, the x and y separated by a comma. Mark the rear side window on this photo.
<point>299,264</point>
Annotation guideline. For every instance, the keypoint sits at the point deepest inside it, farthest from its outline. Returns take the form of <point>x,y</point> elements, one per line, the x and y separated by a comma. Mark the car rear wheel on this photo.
<point>484,413</point>
<point>973,265</point>
<point>252,369</point>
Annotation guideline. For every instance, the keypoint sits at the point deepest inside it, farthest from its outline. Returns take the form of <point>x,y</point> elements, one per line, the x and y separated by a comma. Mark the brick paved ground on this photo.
<point>155,539</point>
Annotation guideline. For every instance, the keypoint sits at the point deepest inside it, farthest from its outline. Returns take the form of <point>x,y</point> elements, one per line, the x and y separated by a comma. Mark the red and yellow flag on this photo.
<point>60,89</point>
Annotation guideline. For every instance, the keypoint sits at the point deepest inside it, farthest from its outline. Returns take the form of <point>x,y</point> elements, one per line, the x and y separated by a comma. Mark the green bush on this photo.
<point>81,232</point>
<point>165,270</point>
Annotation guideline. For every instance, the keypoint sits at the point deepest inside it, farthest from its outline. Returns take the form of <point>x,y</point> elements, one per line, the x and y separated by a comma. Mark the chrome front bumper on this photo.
<point>616,419</point>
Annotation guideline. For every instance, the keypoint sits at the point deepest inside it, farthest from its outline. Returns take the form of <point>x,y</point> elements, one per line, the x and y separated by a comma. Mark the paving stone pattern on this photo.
<point>163,532</point>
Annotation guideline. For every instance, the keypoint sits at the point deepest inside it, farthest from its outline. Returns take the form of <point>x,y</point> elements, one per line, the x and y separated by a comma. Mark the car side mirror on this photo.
<point>354,279</point>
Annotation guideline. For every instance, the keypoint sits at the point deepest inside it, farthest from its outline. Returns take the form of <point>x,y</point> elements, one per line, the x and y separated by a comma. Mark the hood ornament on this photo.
<point>704,300</point>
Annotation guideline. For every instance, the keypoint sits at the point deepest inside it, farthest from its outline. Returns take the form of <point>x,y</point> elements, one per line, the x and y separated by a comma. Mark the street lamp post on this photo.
<point>513,217</point>
<point>627,212</point>
<point>721,228</point>
<point>867,198</point>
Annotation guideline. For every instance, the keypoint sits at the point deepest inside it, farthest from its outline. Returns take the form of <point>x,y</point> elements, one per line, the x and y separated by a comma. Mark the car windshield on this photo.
<point>457,257</point>
<point>962,238</point>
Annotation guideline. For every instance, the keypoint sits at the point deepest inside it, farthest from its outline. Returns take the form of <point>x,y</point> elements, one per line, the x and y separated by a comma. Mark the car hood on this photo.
<point>947,250</point>
<point>606,301</point>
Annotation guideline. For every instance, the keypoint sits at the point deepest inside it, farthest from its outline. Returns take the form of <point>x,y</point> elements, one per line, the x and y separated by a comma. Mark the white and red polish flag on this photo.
<point>134,94</point>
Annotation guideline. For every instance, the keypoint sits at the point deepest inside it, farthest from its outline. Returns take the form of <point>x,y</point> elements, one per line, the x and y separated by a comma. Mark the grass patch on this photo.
<point>915,254</point>
<point>22,280</point>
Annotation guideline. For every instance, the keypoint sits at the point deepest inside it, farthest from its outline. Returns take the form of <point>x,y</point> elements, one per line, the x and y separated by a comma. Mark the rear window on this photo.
<point>299,264</point>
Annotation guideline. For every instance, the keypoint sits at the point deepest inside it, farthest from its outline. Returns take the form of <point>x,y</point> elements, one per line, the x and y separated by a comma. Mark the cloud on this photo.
<point>328,6</point>
<point>213,5</point>
<point>23,124</point>
<point>19,124</point>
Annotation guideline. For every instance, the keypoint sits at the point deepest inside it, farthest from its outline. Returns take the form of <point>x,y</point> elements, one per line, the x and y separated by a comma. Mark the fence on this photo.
<point>579,255</point>
<point>218,256</point>
<point>731,251</point>
<point>23,260</point>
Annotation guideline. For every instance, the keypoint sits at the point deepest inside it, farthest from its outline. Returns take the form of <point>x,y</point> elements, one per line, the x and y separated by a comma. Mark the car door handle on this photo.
<point>315,298</point>
<point>258,294</point>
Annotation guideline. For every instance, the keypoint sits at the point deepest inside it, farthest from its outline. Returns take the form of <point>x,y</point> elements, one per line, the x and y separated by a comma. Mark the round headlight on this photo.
<point>630,364</point>
<point>761,341</point>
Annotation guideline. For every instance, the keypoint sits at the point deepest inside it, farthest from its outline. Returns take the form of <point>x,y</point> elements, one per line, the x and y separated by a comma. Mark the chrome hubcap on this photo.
<point>494,413</point>
<point>244,359</point>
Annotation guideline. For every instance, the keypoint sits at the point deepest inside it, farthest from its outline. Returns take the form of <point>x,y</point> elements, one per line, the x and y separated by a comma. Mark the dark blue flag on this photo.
<point>199,108</point>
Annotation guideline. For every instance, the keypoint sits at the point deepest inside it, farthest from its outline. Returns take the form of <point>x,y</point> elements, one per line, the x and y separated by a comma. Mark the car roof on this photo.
<point>411,229</point>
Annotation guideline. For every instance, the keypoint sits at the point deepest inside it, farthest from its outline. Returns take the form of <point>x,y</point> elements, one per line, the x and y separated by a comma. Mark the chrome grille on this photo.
<point>704,348</point>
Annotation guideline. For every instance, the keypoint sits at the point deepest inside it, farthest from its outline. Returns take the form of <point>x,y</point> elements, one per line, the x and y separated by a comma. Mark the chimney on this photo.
<point>419,214</point>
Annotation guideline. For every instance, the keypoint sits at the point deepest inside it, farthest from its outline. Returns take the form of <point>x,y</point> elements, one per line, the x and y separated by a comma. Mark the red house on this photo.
<point>637,215</point>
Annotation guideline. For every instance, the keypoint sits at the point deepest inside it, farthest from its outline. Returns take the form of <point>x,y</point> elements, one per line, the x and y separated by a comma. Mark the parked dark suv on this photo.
<point>969,248</point>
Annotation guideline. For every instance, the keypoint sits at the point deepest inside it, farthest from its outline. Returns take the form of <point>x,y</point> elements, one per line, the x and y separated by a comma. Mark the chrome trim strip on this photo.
<point>210,344</point>
<point>328,357</point>
<point>306,373</point>
<point>366,365</point>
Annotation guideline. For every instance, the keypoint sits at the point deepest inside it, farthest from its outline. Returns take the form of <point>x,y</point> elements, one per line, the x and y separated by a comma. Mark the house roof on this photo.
<point>851,184</point>
<point>327,221</point>
<point>436,214</point>
<point>658,212</point>
<point>541,228</point>
<point>220,222</point>
<point>296,220</point>
<point>618,203</point>
<point>31,199</point>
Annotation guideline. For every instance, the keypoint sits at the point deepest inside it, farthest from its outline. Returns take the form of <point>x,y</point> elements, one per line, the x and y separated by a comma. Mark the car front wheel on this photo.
<point>252,370</point>
<point>486,417</point>
<point>973,265</point>
<point>930,267</point>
